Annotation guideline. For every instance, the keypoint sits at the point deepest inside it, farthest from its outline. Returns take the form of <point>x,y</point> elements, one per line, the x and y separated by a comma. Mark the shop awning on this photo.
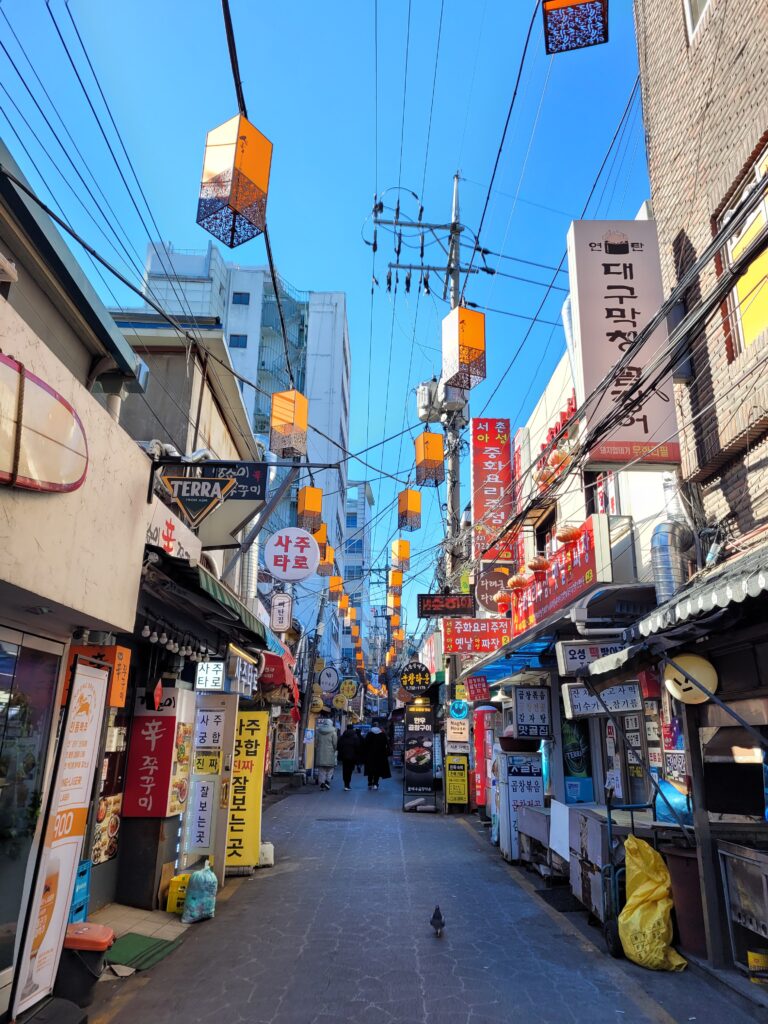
<point>215,589</point>
<point>278,672</point>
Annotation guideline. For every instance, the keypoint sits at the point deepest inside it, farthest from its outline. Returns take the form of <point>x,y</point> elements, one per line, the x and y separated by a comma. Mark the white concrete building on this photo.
<point>357,564</point>
<point>202,283</point>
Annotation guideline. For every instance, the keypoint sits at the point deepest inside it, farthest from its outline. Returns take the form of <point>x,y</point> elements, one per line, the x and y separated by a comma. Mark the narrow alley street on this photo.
<point>338,931</point>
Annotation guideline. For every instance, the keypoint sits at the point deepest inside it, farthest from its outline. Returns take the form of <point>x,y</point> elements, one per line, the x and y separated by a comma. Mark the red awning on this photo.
<point>278,671</point>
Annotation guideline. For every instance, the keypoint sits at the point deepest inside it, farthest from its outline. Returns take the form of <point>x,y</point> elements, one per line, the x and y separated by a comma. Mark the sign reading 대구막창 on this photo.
<point>616,288</point>
<point>491,485</point>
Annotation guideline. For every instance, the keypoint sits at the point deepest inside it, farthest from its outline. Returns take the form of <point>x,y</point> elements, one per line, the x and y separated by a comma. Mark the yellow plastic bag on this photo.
<point>645,923</point>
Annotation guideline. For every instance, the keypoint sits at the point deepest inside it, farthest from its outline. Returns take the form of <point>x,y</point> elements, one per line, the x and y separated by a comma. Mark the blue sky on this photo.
<point>308,72</point>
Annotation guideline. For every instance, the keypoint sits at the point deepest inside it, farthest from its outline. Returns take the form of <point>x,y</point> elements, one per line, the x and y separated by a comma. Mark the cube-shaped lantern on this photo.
<point>409,510</point>
<point>463,348</point>
<point>394,601</point>
<point>325,568</point>
<point>288,421</point>
<point>430,464</point>
<point>394,620</point>
<point>350,614</point>
<point>401,554</point>
<point>344,604</point>
<point>233,191</point>
<point>395,581</point>
<point>398,634</point>
<point>310,510</point>
<point>335,588</point>
<point>572,24</point>
<point>355,632</point>
<point>321,536</point>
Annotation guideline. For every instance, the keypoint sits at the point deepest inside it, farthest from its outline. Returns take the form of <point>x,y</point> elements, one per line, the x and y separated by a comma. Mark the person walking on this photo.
<point>360,750</point>
<point>326,743</point>
<point>349,752</point>
<point>377,753</point>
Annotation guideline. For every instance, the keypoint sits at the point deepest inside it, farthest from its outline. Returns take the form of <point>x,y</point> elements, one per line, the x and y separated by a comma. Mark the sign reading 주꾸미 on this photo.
<point>491,483</point>
<point>475,636</point>
<point>616,287</point>
<point>291,554</point>
<point>415,678</point>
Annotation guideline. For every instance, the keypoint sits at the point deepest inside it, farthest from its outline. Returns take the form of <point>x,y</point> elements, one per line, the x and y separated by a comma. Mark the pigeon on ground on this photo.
<point>437,921</point>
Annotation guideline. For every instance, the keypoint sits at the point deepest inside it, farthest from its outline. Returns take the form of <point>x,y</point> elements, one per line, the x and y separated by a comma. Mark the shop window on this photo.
<point>238,341</point>
<point>545,529</point>
<point>747,315</point>
<point>241,298</point>
<point>694,9</point>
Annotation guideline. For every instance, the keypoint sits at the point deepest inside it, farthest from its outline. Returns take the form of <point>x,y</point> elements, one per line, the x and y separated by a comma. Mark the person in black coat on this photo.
<point>377,753</point>
<point>349,752</point>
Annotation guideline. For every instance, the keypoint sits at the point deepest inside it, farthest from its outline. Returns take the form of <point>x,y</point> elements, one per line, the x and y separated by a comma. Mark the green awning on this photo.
<point>225,597</point>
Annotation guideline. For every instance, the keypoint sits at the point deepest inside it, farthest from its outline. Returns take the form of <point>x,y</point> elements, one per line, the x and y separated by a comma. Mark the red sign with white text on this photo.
<point>492,499</point>
<point>475,636</point>
<point>157,773</point>
<point>575,568</point>
<point>477,688</point>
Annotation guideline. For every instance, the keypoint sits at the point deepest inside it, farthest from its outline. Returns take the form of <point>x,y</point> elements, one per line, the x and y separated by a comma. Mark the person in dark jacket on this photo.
<point>349,752</point>
<point>360,750</point>
<point>377,753</point>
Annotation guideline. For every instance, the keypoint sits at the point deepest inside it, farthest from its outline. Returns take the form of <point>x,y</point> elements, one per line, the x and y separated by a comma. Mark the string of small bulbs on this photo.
<point>177,643</point>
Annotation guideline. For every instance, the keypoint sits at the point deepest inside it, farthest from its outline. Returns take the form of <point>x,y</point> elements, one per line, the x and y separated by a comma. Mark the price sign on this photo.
<point>416,678</point>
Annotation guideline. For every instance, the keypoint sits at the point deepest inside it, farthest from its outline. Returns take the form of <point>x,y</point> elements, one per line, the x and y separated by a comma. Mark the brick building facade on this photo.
<point>704,77</point>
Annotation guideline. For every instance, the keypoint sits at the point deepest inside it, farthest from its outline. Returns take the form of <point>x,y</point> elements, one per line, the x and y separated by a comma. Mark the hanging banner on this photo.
<point>616,287</point>
<point>418,776</point>
<point>475,636</point>
<point>244,832</point>
<point>63,840</point>
<point>491,483</point>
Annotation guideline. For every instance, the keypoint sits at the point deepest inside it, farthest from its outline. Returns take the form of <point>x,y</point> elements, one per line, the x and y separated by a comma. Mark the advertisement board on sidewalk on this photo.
<point>244,832</point>
<point>63,841</point>
<point>418,775</point>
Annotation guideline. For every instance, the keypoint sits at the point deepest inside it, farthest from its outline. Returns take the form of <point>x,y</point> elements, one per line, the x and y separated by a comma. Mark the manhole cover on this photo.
<point>333,819</point>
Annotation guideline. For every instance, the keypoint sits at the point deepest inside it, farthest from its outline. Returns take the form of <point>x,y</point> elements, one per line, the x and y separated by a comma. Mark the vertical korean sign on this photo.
<point>616,288</point>
<point>63,842</point>
<point>419,751</point>
<point>492,499</point>
<point>244,832</point>
<point>159,756</point>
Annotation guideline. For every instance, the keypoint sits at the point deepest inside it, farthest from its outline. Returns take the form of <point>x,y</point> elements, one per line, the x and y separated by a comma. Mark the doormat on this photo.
<point>140,951</point>
<point>561,898</point>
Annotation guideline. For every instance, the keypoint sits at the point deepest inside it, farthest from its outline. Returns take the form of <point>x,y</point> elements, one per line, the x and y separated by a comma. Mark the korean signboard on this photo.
<point>209,675</point>
<point>477,688</point>
<point>491,476</point>
<point>456,779</point>
<point>438,605</point>
<point>199,490</point>
<point>168,532</point>
<point>579,702</point>
<point>281,613</point>
<point>415,678</point>
<point>489,585</point>
<point>575,568</point>
<point>616,288</point>
<point>521,460</point>
<point>119,660</point>
<point>159,755</point>
<point>244,832</point>
<point>418,776</point>
<point>531,712</point>
<point>524,788</point>
<point>475,636</point>
<point>291,554</point>
<point>63,841</point>
<point>575,654</point>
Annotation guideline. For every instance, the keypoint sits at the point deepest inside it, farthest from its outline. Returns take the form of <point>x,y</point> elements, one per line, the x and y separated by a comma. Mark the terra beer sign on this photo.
<point>492,499</point>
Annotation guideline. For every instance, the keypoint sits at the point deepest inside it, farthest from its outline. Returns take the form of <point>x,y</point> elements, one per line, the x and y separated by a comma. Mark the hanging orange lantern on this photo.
<point>326,562</point>
<point>519,581</point>
<point>503,599</point>
<point>288,422</point>
<point>394,600</point>
<point>321,536</point>
<point>560,459</point>
<point>335,588</point>
<point>463,348</point>
<point>430,459</point>
<point>544,477</point>
<point>409,510</point>
<point>355,632</point>
<point>572,24</point>
<point>394,620</point>
<point>401,554</point>
<point>539,563</point>
<point>395,581</point>
<point>350,614</point>
<point>344,604</point>
<point>310,509</point>
<point>566,533</point>
<point>233,192</point>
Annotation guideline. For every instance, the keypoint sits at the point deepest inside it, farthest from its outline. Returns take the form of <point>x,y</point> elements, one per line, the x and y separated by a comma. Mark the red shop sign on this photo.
<point>477,688</point>
<point>492,499</point>
<point>475,636</point>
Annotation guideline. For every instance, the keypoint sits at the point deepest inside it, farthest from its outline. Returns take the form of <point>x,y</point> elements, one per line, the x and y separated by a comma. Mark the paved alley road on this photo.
<point>338,931</point>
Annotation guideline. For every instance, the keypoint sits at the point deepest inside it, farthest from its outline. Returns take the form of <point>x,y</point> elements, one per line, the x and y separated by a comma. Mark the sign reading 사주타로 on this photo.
<point>63,840</point>
<point>244,830</point>
<point>291,554</point>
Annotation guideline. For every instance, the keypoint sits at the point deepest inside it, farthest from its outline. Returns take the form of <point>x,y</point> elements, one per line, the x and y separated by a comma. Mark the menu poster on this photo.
<point>63,842</point>
<point>418,776</point>
<point>107,821</point>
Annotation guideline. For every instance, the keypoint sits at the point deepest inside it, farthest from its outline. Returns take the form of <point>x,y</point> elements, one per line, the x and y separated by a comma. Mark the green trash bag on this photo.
<point>200,901</point>
<point>645,923</point>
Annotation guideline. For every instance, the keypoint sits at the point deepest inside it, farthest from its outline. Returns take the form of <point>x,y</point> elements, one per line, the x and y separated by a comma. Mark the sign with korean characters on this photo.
<point>477,688</point>
<point>429,606</point>
<point>531,712</point>
<point>119,660</point>
<point>456,779</point>
<point>244,831</point>
<point>281,613</point>
<point>489,585</point>
<point>475,636</point>
<point>575,654</point>
<point>415,678</point>
<point>159,755</point>
<point>491,483</point>
<point>418,776</point>
<point>349,688</point>
<point>291,554</point>
<point>579,702</point>
<point>575,568</point>
<point>524,788</point>
<point>167,531</point>
<point>615,274</point>
<point>54,881</point>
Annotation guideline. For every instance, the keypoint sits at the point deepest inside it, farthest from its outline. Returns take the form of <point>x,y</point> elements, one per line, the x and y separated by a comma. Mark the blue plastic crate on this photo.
<point>82,890</point>
<point>78,912</point>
